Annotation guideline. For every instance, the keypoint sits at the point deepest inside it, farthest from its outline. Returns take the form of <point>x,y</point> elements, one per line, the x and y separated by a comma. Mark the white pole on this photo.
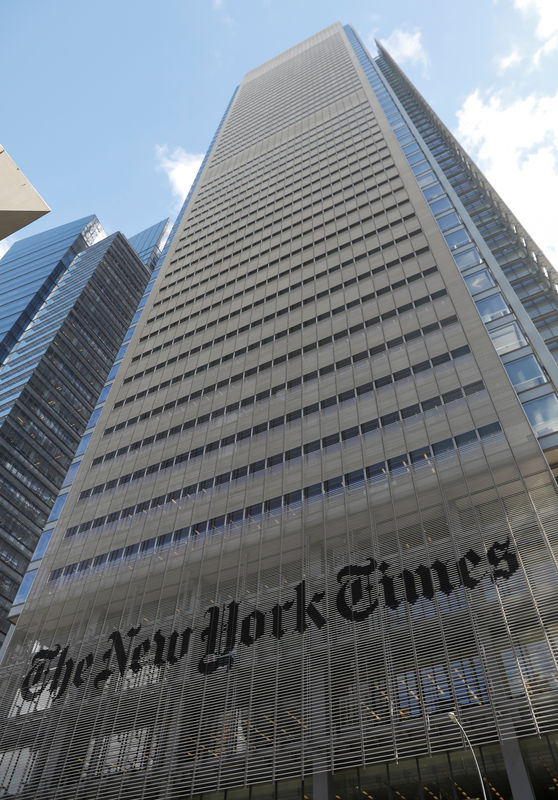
<point>453,718</point>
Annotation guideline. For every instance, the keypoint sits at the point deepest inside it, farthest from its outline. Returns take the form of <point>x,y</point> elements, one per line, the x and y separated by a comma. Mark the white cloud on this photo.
<point>218,7</point>
<point>407,47</point>
<point>546,12</point>
<point>181,168</point>
<point>515,143</point>
<point>511,60</point>
<point>546,49</point>
<point>546,31</point>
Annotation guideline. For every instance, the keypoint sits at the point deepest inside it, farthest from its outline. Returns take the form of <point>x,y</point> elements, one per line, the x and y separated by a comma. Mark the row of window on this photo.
<point>388,186</point>
<point>280,334</point>
<point>282,503</point>
<point>313,408</point>
<point>206,260</point>
<point>280,312</point>
<point>278,224</point>
<point>283,212</point>
<point>324,76</point>
<point>263,173</point>
<point>296,353</point>
<point>308,184</point>
<point>266,394</point>
<point>318,145</point>
<point>276,276</point>
<point>526,372</point>
<point>313,136</point>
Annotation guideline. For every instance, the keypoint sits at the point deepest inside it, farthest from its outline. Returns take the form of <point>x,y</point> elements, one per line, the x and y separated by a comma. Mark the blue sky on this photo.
<point>108,106</point>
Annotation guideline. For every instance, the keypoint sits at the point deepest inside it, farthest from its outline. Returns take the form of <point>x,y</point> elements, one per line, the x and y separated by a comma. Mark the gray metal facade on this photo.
<point>314,517</point>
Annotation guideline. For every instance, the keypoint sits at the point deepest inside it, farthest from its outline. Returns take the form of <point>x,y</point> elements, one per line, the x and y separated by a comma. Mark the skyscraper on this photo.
<point>30,269</point>
<point>70,294</point>
<point>315,516</point>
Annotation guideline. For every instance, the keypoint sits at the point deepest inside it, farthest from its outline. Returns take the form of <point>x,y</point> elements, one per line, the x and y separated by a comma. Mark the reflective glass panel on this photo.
<point>480,281</point>
<point>25,587</point>
<point>71,474</point>
<point>468,258</point>
<point>492,307</point>
<point>525,373</point>
<point>507,338</point>
<point>43,542</point>
<point>543,414</point>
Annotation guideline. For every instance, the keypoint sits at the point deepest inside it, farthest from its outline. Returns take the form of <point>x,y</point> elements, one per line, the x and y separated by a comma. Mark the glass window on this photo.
<point>492,307</point>
<point>112,373</point>
<point>43,542</point>
<point>468,258</point>
<point>421,167</point>
<point>507,338</point>
<point>415,157</point>
<point>57,507</point>
<point>25,587</point>
<point>457,238</point>
<point>448,221</point>
<point>543,414</point>
<point>440,205</point>
<point>104,393</point>
<point>83,444</point>
<point>433,191</point>
<point>94,417</point>
<point>71,474</point>
<point>424,180</point>
<point>479,281</point>
<point>410,148</point>
<point>525,373</point>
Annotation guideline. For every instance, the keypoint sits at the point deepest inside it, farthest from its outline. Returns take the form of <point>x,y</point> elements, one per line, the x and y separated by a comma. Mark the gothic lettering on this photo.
<point>303,609</point>
<point>62,675</point>
<point>117,649</point>
<point>81,667</point>
<point>215,657</point>
<point>464,570</point>
<point>277,629</point>
<point>499,553</point>
<point>354,590</point>
<point>246,636</point>
<point>357,599</point>
<point>37,677</point>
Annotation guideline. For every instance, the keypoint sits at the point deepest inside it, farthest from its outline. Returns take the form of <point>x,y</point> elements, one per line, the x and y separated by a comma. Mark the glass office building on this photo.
<point>52,376</point>
<point>31,267</point>
<point>149,245</point>
<point>317,512</point>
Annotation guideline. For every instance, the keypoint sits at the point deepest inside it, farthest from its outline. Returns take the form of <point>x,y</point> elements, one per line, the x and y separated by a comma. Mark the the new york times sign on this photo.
<point>361,589</point>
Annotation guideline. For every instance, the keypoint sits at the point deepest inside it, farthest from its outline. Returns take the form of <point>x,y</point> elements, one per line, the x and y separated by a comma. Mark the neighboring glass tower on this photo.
<point>149,246</point>
<point>30,269</point>
<point>314,516</point>
<point>52,376</point>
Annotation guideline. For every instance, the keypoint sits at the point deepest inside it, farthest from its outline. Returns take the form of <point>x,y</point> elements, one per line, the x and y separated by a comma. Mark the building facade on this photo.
<point>149,245</point>
<point>315,515</point>
<point>59,356</point>
<point>30,269</point>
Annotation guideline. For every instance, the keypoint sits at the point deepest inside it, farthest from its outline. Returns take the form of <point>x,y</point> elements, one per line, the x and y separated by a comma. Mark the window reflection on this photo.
<point>525,373</point>
<point>492,307</point>
<point>543,414</point>
<point>479,281</point>
<point>508,337</point>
